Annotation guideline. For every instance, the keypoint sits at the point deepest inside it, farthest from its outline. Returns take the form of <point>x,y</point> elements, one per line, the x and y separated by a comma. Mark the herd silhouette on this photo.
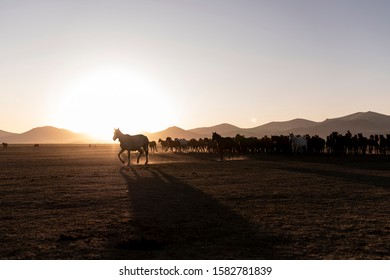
<point>334,144</point>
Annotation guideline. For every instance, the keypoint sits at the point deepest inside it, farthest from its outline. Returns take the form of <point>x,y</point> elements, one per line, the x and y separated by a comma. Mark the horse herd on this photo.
<point>335,144</point>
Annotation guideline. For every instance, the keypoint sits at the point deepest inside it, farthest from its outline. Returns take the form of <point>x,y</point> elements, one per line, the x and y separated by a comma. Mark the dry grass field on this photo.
<point>77,202</point>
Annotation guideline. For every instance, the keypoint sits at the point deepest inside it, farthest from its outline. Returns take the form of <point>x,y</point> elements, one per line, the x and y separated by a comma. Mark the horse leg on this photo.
<point>146,154</point>
<point>119,155</point>
<point>139,155</point>
<point>220,154</point>
<point>128,157</point>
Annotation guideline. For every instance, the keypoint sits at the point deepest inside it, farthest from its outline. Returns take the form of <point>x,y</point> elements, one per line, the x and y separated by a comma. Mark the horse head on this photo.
<point>215,136</point>
<point>116,134</point>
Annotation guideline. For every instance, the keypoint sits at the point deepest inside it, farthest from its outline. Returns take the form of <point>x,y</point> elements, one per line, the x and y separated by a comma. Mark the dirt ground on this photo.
<point>78,202</point>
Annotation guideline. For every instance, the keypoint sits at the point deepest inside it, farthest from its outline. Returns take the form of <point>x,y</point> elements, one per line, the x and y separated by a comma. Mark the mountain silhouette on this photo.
<point>224,128</point>
<point>174,132</point>
<point>281,127</point>
<point>362,122</point>
<point>367,123</point>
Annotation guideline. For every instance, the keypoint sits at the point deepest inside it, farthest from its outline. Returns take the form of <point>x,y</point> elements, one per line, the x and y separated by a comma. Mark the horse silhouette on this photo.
<point>164,145</point>
<point>153,146</point>
<point>225,144</point>
<point>130,143</point>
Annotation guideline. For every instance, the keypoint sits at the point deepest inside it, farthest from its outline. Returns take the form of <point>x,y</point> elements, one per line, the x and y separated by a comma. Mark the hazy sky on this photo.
<point>146,65</point>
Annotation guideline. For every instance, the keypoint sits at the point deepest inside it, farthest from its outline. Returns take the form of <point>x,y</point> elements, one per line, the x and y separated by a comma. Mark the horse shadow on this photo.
<point>173,220</point>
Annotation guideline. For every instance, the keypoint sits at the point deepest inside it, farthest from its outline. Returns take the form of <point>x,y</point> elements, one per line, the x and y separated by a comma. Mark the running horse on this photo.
<point>132,143</point>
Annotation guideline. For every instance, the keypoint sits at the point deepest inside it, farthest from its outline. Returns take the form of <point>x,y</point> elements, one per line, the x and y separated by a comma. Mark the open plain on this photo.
<point>79,202</point>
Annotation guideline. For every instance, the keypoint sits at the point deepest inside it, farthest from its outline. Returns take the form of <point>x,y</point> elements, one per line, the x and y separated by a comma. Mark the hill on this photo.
<point>282,127</point>
<point>225,129</point>
<point>46,134</point>
<point>5,134</point>
<point>174,132</point>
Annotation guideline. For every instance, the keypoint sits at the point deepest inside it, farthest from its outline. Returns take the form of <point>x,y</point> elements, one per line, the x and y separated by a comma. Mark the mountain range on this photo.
<point>362,122</point>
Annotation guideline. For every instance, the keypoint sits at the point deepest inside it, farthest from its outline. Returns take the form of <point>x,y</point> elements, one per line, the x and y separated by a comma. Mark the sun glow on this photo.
<point>111,98</point>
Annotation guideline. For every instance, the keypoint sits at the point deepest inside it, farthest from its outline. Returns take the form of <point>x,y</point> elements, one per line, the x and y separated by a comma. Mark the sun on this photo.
<point>105,99</point>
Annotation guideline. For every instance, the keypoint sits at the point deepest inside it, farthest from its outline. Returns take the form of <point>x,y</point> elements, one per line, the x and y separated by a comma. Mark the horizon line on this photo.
<point>199,127</point>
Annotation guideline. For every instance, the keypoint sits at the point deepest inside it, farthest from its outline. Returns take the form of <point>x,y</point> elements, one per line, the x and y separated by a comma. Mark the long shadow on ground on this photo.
<point>356,178</point>
<point>174,220</point>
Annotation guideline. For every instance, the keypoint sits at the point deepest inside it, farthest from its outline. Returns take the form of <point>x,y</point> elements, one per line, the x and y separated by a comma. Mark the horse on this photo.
<point>183,144</point>
<point>335,143</point>
<point>173,144</point>
<point>315,144</point>
<point>224,143</point>
<point>298,143</point>
<point>363,143</point>
<point>164,144</point>
<point>5,145</point>
<point>153,146</point>
<point>129,143</point>
<point>281,144</point>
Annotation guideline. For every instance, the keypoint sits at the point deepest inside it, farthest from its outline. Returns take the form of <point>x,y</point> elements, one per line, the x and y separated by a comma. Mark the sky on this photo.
<point>91,66</point>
